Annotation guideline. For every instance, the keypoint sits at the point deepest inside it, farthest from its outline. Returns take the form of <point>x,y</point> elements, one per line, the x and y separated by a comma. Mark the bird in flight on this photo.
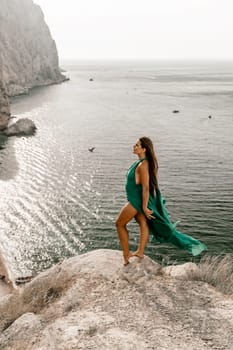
<point>91,149</point>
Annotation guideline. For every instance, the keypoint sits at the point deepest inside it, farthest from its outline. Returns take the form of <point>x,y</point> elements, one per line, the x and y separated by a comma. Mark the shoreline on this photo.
<point>6,284</point>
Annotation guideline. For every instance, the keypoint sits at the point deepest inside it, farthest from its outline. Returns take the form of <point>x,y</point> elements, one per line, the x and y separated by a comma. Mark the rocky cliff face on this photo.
<point>28,52</point>
<point>4,106</point>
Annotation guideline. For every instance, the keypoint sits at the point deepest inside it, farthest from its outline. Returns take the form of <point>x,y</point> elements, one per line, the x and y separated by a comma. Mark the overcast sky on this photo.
<point>141,29</point>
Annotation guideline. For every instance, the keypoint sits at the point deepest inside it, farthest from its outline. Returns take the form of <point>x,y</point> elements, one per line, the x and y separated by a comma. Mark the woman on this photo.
<point>147,206</point>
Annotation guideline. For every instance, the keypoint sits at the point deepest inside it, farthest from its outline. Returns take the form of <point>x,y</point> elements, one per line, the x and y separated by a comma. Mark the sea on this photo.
<point>58,199</point>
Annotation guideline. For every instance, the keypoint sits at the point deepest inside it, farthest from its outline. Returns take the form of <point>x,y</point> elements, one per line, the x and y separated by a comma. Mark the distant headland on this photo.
<point>28,53</point>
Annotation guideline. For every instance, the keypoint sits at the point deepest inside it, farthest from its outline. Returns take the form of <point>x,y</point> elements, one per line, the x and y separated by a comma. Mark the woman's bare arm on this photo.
<point>143,171</point>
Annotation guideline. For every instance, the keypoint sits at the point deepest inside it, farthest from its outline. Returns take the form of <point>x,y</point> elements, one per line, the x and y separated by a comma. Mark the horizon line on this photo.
<point>141,59</point>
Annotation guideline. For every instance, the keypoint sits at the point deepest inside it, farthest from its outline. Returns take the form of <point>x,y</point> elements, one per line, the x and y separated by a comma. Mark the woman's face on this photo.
<point>137,148</point>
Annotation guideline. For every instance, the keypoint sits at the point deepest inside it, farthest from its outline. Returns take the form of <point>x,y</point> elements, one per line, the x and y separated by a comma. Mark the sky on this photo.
<point>141,29</point>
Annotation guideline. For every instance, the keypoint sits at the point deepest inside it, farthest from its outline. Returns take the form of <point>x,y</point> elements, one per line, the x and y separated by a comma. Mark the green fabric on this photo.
<point>162,229</point>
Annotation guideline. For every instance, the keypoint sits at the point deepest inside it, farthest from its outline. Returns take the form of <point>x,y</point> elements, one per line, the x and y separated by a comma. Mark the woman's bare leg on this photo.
<point>126,214</point>
<point>144,235</point>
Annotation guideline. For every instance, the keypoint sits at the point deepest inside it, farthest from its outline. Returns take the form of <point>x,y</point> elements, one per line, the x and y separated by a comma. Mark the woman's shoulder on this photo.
<point>143,164</point>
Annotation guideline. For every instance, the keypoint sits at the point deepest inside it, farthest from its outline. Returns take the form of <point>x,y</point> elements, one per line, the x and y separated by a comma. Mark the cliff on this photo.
<point>92,302</point>
<point>4,105</point>
<point>28,54</point>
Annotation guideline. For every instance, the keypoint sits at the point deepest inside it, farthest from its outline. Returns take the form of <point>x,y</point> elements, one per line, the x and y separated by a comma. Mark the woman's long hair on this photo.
<point>153,163</point>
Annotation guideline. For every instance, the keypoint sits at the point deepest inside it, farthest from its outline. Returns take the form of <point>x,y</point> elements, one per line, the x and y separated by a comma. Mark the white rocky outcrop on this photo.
<point>23,126</point>
<point>93,302</point>
<point>28,53</point>
<point>180,270</point>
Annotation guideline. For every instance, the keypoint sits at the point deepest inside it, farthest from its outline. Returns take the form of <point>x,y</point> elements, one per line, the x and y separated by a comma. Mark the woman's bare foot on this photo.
<point>138,254</point>
<point>126,258</point>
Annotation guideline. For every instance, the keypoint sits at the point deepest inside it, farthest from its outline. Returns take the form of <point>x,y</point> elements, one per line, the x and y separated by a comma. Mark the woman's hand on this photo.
<point>148,213</point>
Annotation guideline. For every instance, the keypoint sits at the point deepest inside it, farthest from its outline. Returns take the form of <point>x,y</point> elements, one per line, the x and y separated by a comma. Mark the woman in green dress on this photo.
<point>147,206</point>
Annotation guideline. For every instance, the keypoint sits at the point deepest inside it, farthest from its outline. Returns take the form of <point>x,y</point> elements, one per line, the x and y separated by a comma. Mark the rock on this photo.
<point>93,302</point>
<point>4,105</point>
<point>4,119</point>
<point>21,330</point>
<point>180,270</point>
<point>23,126</point>
<point>28,58</point>
<point>28,52</point>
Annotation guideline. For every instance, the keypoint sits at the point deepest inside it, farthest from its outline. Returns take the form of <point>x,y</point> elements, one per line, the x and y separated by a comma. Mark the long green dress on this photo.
<point>162,229</point>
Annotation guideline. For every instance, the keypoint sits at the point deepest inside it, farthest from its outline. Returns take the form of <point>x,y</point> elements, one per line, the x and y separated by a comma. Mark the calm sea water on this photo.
<point>58,199</point>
